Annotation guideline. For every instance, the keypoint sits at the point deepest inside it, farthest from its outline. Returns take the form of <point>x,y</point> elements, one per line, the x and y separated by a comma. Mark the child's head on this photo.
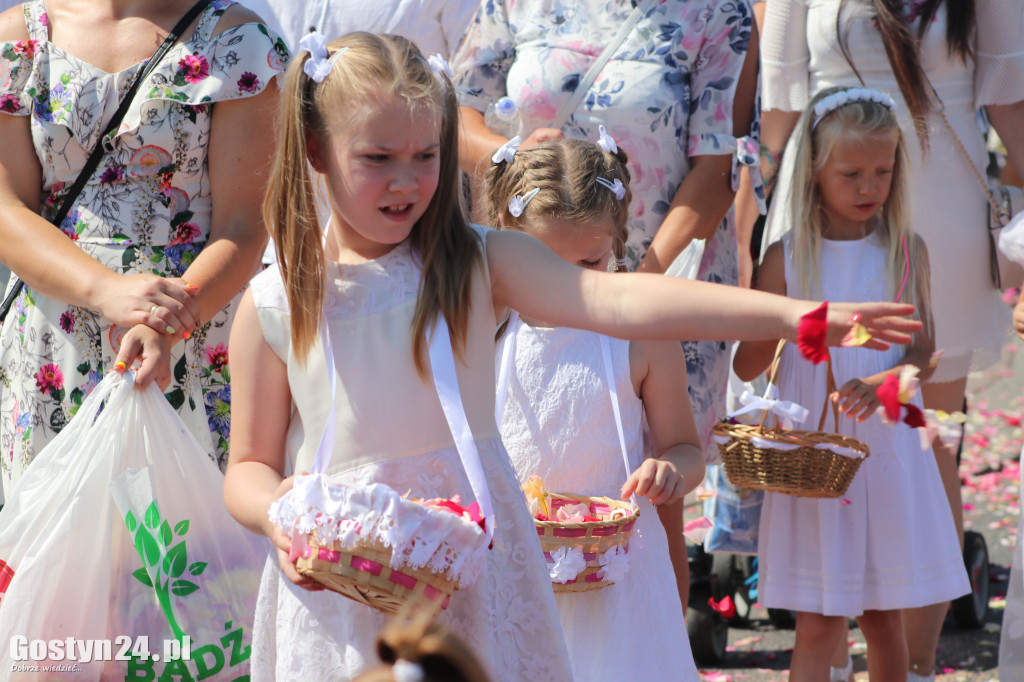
<point>849,180</point>
<point>565,194</point>
<point>420,649</point>
<point>379,124</point>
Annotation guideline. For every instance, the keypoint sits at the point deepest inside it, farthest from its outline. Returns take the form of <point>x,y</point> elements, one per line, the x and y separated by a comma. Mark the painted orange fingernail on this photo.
<point>191,286</point>
<point>120,366</point>
<point>186,335</point>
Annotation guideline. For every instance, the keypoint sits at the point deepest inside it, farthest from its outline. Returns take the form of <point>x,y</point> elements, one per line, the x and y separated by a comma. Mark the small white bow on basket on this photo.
<point>787,411</point>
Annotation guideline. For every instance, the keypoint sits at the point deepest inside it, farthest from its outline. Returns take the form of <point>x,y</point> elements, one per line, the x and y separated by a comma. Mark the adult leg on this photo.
<point>887,650</point>
<point>924,625</point>
<point>816,639</point>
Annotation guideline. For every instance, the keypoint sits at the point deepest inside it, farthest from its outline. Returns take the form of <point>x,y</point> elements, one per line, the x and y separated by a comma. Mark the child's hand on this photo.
<point>283,542</point>
<point>857,399</point>
<point>657,480</point>
<point>1018,317</point>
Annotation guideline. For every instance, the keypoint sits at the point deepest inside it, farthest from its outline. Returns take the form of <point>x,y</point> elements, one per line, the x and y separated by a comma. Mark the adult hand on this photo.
<point>540,136</point>
<point>153,350</point>
<point>1018,317</point>
<point>165,304</point>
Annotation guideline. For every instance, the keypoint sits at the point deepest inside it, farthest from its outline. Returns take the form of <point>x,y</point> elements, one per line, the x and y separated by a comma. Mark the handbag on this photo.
<point>103,143</point>
<point>1005,201</point>
<point>569,106</point>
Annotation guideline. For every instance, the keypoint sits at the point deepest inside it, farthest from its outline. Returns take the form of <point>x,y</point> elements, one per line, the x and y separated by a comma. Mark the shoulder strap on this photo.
<point>569,106</point>
<point>103,144</point>
<point>606,356</point>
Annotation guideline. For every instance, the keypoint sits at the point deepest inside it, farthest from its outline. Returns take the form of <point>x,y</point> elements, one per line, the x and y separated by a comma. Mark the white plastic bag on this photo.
<point>118,533</point>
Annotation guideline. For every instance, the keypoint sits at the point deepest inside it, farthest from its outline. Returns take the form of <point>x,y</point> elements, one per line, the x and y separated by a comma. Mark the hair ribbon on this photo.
<point>507,151</point>
<point>518,203</point>
<point>606,141</point>
<point>615,186</point>
<point>439,65</point>
<point>836,100</point>
<point>407,671</point>
<point>320,61</point>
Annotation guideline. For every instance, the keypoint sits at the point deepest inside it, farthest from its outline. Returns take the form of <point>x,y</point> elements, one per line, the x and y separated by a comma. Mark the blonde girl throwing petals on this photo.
<point>380,132</point>
<point>891,544</point>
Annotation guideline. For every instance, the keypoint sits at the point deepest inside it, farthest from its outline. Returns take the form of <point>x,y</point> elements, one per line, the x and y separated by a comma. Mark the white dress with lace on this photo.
<point>558,424</point>
<point>391,429</point>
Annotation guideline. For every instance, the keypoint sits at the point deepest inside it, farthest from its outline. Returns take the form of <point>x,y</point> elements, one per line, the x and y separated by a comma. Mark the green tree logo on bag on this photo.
<point>166,563</point>
<point>167,570</point>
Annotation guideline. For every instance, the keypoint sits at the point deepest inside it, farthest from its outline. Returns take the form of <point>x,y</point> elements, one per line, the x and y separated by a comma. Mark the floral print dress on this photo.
<point>665,96</point>
<point>147,209</point>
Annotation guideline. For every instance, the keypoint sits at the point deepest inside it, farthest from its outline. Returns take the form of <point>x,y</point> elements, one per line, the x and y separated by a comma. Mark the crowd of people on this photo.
<point>604,245</point>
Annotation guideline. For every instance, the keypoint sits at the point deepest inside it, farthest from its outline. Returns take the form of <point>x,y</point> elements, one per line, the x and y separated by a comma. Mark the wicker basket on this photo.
<point>593,538</point>
<point>807,471</point>
<point>364,574</point>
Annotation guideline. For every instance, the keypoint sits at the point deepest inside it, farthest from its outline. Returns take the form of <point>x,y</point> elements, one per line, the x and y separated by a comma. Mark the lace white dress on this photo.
<point>801,56</point>
<point>890,543</point>
<point>390,429</point>
<point>558,424</point>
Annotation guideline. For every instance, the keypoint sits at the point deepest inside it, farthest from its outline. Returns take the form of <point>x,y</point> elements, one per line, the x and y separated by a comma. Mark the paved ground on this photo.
<point>760,652</point>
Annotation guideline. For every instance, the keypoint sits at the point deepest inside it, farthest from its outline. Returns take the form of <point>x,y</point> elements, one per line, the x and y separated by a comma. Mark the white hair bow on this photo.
<point>606,142</point>
<point>439,65</point>
<point>615,186</point>
<point>320,61</point>
<point>407,671</point>
<point>518,203</point>
<point>507,151</point>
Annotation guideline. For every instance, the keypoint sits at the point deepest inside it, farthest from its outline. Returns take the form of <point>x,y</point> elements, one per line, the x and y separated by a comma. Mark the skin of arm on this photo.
<point>240,151</point>
<point>856,397</point>
<point>706,193</point>
<point>530,278</point>
<point>658,370</point>
<point>260,413</point>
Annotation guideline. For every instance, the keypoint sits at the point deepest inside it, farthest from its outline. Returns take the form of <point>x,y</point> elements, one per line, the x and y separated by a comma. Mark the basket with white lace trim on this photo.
<point>799,463</point>
<point>373,546</point>
<point>587,555</point>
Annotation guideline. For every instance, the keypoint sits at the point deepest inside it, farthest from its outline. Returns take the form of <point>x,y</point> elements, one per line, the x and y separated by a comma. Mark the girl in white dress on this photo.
<point>891,543</point>
<point>558,422</point>
<point>379,127</point>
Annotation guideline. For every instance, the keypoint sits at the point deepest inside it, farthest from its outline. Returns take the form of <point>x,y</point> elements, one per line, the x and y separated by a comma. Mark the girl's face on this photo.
<point>381,172</point>
<point>586,245</point>
<point>855,181</point>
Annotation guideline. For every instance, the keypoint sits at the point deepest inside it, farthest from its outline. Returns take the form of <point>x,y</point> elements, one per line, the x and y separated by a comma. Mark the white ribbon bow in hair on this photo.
<point>605,141</point>
<point>320,62</point>
<point>788,411</point>
<point>518,203</point>
<point>615,186</point>
<point>439,65</point>
<point>407,671</point>
<point>507,151</point>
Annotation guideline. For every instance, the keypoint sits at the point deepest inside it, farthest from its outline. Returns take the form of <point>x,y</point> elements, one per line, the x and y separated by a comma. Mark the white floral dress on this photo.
<point>665,96</point>
<point>147,209</point>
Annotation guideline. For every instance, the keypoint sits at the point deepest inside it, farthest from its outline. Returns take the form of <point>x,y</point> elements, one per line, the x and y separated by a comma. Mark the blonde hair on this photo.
<point>814,145</point>
<point>372,69</point>
<point>565,173</point>
<point>421,641</point>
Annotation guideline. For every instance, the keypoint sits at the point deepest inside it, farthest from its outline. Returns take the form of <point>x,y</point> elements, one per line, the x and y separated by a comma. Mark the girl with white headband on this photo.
<point>559,421</point>
<point>890,544</point>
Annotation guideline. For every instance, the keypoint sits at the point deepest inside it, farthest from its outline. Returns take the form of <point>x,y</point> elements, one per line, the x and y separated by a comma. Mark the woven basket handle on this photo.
<point>830,388</point>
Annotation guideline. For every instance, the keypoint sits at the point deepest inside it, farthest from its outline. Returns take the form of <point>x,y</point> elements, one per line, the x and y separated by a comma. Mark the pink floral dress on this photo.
<point>147,209</point>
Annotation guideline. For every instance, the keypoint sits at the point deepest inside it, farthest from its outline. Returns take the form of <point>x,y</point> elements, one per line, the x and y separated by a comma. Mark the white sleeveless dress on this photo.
<point>390,428</point>
<point>558,424</point>
<point>891,542</point>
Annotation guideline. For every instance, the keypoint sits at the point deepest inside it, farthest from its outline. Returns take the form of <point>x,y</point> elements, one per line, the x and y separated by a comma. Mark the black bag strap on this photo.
<point>104,143</point>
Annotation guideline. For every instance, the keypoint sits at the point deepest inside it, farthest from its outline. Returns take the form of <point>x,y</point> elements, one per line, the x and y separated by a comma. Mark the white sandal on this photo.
<point>914,677</point>
<point>842,674</point>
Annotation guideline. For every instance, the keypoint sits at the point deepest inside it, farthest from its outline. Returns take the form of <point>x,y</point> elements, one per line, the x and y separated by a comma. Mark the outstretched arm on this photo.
<point>530,278</point>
